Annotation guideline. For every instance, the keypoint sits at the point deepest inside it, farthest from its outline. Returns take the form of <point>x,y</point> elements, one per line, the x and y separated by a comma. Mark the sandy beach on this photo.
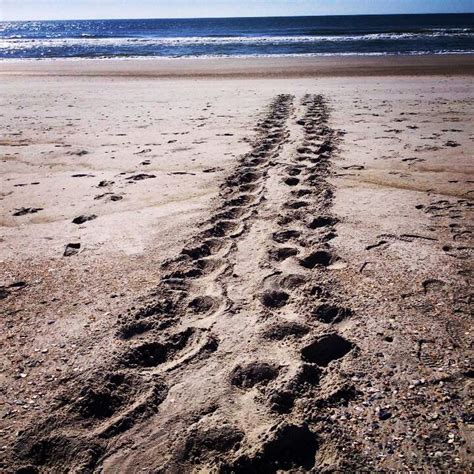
<point>236,265</point>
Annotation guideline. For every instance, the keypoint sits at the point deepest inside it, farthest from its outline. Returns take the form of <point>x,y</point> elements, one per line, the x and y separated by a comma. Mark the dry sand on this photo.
<point>276,271</point>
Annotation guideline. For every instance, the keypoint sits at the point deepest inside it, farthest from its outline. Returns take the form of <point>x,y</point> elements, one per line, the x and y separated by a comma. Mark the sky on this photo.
<point>89,9</point>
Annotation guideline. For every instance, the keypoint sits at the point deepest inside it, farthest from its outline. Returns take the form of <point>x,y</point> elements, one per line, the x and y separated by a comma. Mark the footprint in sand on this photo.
<point>84,218</point>
<point>27,210</point>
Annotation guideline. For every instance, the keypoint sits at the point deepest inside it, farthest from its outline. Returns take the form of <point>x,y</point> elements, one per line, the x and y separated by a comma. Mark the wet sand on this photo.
<point>264,255</point>
<point>279,67</point>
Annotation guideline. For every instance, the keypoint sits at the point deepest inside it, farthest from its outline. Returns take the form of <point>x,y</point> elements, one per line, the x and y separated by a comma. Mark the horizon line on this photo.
<point>241,17</point>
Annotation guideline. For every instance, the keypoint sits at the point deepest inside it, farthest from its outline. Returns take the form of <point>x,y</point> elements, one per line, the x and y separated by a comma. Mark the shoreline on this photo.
<point>259,67</point>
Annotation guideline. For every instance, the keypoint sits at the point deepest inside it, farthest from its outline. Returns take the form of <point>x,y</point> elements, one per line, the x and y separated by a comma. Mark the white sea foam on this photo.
<point>86,41</point>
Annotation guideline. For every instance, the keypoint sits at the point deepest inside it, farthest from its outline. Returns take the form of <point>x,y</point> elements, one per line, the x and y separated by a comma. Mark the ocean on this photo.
<point>226,37</point>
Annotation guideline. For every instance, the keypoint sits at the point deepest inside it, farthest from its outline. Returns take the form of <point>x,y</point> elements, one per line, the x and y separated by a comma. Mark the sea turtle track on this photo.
<point>221,365</point>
